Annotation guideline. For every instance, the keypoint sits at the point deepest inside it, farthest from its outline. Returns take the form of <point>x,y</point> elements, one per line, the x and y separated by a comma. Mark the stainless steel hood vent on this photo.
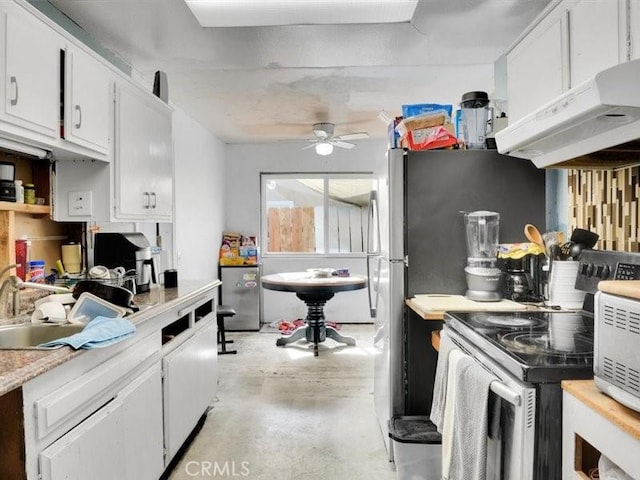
<point>594,125</point>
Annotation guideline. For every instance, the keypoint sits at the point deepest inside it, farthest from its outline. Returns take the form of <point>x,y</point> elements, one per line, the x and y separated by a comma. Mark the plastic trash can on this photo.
<point>417,448</point>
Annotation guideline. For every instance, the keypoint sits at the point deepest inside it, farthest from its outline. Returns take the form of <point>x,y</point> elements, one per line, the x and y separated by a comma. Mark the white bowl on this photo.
<point>320,272</point>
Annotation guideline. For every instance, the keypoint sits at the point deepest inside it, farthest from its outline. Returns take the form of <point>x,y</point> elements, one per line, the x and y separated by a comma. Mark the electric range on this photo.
<point>532,346</point>
<point>529,354</point>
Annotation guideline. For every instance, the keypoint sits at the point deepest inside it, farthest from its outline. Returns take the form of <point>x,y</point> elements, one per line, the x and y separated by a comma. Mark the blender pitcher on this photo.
<point>484,278</point>
<point>476,119</point>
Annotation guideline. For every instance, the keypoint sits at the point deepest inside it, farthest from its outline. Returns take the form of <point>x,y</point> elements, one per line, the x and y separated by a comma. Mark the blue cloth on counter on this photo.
<point>98,333</point>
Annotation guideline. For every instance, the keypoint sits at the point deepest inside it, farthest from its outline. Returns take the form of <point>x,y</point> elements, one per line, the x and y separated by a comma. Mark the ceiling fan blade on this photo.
<point>352,136</point>
<point>308,146</point>
<point>341,144</point>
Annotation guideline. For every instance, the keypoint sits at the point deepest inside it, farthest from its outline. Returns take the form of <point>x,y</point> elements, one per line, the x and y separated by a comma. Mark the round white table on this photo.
<point>315,293</point>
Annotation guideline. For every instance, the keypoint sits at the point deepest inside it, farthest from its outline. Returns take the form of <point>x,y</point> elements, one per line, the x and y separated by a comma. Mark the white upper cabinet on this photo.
<point>634,29</point>
<point>88,100</point>
<point>597,37</point>
<point>31,76</point>
<point>143,156</point>
<point>569,43</point>
<point>537,68</point>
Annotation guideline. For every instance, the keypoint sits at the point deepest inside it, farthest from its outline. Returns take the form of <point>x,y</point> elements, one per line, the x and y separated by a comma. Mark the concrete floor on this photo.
<point>283,414</point>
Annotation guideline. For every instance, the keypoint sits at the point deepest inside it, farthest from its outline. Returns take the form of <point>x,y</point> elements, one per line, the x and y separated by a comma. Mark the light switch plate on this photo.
<point>80,204</point>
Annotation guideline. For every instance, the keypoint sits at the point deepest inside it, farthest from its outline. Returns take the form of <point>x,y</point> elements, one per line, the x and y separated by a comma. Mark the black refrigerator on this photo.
<point>417,245</point>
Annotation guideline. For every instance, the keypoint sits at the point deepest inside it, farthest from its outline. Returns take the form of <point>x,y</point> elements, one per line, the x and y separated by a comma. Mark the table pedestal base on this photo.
<point>315,330</point>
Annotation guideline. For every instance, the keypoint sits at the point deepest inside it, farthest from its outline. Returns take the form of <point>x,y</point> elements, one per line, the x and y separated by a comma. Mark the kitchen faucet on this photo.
<point>13,284</point>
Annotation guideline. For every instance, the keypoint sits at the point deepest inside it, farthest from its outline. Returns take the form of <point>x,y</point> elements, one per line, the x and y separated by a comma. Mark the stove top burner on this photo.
<point>510,322</point>
<point>545,343</point>
<point>536,346</point>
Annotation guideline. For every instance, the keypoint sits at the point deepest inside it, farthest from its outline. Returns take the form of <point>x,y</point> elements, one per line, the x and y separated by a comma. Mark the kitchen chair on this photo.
<point>222,312</point>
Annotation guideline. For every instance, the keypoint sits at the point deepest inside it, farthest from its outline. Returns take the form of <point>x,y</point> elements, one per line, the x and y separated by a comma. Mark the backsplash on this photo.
<point>606,202</point>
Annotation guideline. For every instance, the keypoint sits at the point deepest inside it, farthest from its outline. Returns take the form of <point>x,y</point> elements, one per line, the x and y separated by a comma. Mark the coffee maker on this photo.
<point>130,250</point>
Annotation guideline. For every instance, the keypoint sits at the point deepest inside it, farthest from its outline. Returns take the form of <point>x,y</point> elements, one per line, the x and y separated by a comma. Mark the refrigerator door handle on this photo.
<point>371,309</point>
<point>373,305</point>
<point>373,220</point>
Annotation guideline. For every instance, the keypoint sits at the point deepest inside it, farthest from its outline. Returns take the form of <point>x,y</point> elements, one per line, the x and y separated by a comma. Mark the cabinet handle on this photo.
<point>79,110</point>
<point>14,81</point>
<point>147,205</point>
<point>155,200</point>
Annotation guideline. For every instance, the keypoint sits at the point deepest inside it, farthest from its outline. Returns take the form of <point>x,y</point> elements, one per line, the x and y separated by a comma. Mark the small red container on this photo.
<point>22,257</point>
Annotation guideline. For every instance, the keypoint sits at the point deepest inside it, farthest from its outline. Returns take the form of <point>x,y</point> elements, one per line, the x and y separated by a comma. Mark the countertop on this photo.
<point>438,314</point>
<point>616,413</point>
<point>19,366</point>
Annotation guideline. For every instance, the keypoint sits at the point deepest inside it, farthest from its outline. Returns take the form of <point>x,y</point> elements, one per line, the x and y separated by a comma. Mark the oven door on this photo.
<point>511,437</point>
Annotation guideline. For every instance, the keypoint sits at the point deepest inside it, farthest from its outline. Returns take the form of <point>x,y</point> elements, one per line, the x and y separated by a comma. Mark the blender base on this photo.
<point>483,295</point>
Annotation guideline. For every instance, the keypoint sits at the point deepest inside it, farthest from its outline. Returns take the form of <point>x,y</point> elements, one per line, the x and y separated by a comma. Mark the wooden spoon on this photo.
<point>533,235</point>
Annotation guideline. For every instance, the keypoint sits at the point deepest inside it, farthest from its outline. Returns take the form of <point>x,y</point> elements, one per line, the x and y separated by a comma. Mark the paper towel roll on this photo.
<point>72,258</point>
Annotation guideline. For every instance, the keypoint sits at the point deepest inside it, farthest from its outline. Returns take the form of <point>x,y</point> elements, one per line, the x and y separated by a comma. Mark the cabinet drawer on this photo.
<point>122,440</point>
<point>88,392</point>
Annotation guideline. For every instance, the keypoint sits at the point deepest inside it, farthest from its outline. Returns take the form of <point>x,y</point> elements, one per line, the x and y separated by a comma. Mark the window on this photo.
<point>315,213</point>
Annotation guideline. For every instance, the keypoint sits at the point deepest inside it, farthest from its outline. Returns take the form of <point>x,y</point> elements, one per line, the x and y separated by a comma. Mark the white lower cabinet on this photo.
<point>122,440</point>
<point>124,411</point>
<point>587,434</point>
<point>190,384</point>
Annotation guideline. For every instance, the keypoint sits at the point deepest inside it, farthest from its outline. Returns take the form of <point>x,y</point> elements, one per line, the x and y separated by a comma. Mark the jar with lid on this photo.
<point>29,193</point>
<point>19,191</point>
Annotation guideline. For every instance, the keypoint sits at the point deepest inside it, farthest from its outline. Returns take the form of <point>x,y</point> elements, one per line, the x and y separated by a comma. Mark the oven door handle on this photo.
<point>505,392</point>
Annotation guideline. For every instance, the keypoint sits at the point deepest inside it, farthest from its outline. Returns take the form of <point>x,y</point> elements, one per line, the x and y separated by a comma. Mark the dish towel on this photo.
<point>440,382</point>
<point>470,421</point>
<point>448,420</point>
<point>98,333</point>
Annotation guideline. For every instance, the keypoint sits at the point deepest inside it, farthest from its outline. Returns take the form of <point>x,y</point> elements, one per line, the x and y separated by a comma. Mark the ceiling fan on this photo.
<point>325,139</point>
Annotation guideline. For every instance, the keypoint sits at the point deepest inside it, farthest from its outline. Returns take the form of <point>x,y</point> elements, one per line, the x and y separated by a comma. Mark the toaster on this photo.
<point>616,355</point>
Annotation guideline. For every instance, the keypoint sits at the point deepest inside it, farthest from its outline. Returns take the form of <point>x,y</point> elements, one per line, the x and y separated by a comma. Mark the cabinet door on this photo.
<point>597,37</point>
<point>161,165</point>
<point>634,29</point>
<point>87,101</point>
<point>537,68</point>
<point>122,440</point>
<point>31,73</point>
<point>144,153</point>
<point>190,383</point>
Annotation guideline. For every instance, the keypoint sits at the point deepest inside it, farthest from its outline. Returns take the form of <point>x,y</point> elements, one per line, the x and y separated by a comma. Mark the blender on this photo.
<point>482,273</point>
<point>476,119</point>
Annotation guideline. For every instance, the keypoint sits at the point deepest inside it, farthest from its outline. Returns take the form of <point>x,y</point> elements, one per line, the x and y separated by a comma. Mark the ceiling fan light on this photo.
<point>324,148</point>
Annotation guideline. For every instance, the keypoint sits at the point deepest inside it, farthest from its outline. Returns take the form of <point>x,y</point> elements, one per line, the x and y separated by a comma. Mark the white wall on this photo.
<point>200,198</point>
<point>244,164</point>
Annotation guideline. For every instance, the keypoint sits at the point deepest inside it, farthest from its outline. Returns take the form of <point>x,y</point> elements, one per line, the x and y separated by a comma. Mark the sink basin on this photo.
<point>29,335</point>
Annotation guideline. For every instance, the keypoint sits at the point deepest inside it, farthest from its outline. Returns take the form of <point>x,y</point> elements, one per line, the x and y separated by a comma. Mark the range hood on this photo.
<point>594,125</point>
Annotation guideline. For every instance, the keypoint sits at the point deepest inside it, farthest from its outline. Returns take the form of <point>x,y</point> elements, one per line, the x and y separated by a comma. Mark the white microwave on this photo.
<point>616,355</point>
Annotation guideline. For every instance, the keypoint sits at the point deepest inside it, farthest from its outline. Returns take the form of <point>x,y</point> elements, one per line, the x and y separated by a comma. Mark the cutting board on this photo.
<point>624,288</point>
<point>459,303</point>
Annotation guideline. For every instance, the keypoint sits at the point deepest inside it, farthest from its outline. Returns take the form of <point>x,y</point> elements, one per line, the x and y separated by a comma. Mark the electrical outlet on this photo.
<point>80,204</point>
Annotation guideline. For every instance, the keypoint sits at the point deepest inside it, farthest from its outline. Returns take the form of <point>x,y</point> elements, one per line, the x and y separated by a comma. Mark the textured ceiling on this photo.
<point>264,84</point>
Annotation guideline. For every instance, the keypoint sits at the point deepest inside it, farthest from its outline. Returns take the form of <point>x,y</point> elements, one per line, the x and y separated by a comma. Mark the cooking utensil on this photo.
<point>112,294</point>
<point>576,249</point>
<point>585,237</point>
<point>565,249</point>
<point>533,235</point>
